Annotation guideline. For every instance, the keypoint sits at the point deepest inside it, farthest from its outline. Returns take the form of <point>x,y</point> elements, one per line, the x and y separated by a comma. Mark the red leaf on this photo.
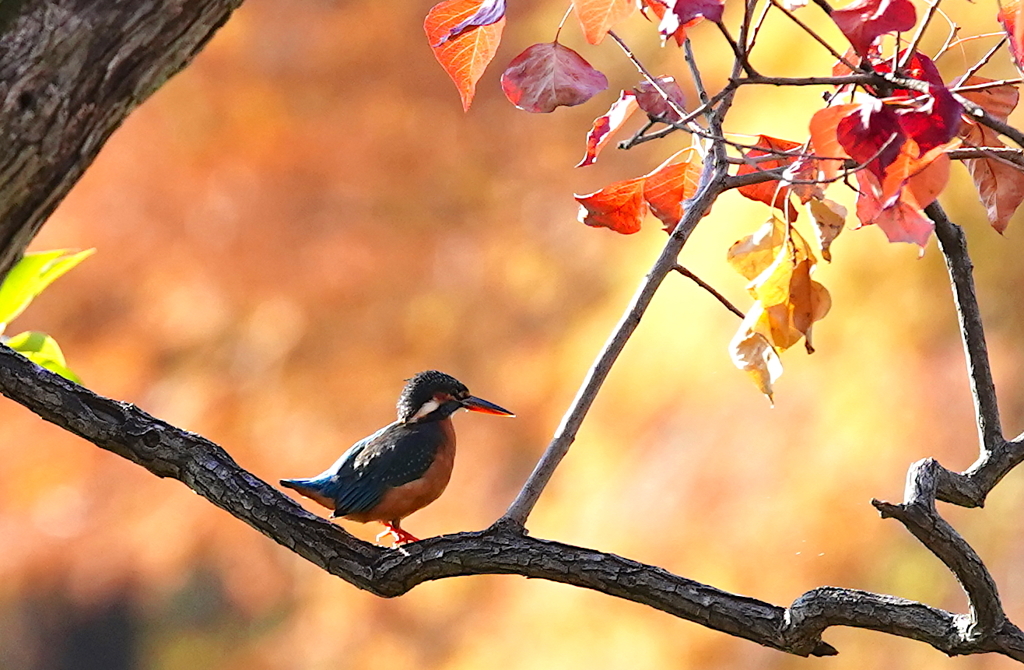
<point>652,102</point>
<point>489,12</point>
<point>669,185</point>
<point>606,125</point>
<point>549,75</point>
<point>871,135</point>
<point>900,221</point>
<point>680,12</point>
<point>619,206</point>
<point>770,192</point>
<point>1000,185</point>
<point>864,21</point>
<point>464,56</point>
<point>1010,16</point>
<point>933,122</point>
<point>599,16</point>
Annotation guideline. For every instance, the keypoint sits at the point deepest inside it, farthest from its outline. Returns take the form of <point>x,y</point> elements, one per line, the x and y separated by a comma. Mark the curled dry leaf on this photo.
<point>751,352</point>
<point>998,101</point>
<point>597,17</point>
<point>1000,183</point>
<point>465,56</point>
<point>619,206</point>
<point>788,300</point>
<point>654,103</point>
<point>606,125</point>
<point>864,21</point>
<point>829,218</point>
<point>801,178</point>
<point>547,76</point>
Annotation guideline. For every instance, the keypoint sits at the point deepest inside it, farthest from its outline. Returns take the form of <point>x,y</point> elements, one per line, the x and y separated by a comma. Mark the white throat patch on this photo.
<point>425,409</point>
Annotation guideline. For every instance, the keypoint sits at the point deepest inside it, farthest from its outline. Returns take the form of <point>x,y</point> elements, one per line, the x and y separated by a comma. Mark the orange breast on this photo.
<point>403,500</point>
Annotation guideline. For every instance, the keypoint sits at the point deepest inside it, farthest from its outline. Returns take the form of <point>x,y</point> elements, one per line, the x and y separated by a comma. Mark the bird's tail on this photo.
<point>317,489</point>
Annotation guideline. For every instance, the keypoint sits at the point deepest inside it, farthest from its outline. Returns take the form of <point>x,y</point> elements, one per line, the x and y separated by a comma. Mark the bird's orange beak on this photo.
<point>475,404</point>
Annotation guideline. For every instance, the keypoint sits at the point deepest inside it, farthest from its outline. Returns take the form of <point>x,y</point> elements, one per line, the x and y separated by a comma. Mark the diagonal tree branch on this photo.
<point>711,186</point>
<point>206,468</point>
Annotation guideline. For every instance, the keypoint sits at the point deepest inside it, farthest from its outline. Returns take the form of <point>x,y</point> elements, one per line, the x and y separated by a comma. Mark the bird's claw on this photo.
<point>398,534</point>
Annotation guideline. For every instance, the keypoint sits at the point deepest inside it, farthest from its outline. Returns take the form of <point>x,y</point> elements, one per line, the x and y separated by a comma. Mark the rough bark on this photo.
<point>70,72</point>
<point>504,548</point>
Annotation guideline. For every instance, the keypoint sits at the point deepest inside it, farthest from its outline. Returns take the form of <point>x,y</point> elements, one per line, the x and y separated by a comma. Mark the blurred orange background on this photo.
<point>305,217</point>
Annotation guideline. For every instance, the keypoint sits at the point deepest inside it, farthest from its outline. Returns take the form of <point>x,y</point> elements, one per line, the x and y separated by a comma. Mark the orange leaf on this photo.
<point>465,56</point>
<point>769,192</point>
<point>669,185</point>
<point>1000,184</point>
<point>599,16</point>
<point>619,206</point>
<point>824,140</point>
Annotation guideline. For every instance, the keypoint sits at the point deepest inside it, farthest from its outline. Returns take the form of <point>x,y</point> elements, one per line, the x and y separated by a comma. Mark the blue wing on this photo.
<point>396,454</point>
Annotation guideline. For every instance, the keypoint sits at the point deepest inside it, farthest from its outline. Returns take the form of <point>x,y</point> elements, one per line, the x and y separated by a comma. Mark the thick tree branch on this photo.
<point>70,72</point>
<point>206,468</point>
<point>953,244</point>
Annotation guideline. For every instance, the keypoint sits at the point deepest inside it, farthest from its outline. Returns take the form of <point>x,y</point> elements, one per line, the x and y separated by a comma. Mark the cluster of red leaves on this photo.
<point>464,36</point>
<point>894,143</point>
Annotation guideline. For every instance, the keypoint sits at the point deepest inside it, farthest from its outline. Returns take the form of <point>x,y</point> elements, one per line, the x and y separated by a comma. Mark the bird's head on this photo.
<point>433,395</point>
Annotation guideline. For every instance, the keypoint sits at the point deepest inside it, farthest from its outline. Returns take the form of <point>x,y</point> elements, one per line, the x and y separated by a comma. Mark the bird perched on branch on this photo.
<point>404,466</point>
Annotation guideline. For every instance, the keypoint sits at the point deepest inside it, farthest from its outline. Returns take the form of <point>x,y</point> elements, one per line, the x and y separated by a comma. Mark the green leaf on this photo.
<point>33,273</point>
<point>44,351</point>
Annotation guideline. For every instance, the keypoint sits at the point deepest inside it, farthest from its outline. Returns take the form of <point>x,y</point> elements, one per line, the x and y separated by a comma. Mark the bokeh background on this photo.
<point>305,217</point>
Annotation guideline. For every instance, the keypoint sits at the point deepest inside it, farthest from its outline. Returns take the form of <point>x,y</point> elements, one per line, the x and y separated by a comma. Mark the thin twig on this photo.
<point>916,39</point>
<point>818,38</point>
<point>698,81</point>
<point>984,59</point>
<point>710,289</point>
<point>645,73</point>
<point>741,55</point>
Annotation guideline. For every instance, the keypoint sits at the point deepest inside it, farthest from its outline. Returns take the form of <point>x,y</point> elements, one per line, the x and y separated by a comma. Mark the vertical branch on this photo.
<point>953,244</point>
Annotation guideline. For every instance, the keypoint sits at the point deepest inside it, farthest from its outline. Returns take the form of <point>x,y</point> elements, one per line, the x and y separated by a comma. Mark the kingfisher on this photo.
<point>404,466</point>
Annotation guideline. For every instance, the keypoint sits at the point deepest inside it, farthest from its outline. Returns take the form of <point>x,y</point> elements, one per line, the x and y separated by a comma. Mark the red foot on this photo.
<point>399,535</point>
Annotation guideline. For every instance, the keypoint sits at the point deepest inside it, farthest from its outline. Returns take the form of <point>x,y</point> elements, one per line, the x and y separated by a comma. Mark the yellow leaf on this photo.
<point>751,352</point>
<point>753,254</point>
